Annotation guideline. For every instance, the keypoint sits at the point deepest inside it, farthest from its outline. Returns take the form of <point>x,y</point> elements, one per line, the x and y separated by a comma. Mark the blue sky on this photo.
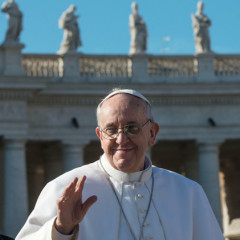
<point>104,25</point>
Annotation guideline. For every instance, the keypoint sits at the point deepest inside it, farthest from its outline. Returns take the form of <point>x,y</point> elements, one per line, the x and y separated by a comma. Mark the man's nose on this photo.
<point>121,137</point>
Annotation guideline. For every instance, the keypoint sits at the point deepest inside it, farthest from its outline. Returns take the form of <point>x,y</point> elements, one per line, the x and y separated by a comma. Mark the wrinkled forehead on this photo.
<point>123,106</point>
<point>125,101</point>
<point>125,91</point>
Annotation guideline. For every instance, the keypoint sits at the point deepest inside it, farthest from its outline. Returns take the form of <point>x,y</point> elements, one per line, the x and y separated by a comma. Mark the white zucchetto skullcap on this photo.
<point>126,91</point>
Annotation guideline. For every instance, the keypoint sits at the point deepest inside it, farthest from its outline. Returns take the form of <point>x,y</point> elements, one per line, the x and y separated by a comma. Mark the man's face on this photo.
<point>124,153</point>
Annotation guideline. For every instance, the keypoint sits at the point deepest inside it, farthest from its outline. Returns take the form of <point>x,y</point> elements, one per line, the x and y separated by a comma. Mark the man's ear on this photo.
<point>99,136</point>
<point>153,133</point>
<point>98,132</point>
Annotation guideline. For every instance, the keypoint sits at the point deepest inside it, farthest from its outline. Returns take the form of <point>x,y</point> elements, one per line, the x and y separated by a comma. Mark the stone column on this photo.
<point>72,155</point>
<point>208,158</point>
<point>15,192</point>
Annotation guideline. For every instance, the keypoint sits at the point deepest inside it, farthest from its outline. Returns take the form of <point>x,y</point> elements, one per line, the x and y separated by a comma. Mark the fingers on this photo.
<point>71,210</point>
<point>86,205</point>
<point>69,190</point>
<point>80,184</point>
<point>75,188</point>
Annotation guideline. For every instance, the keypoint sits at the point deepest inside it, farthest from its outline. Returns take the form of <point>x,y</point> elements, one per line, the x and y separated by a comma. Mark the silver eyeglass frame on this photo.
<point>124,131</point>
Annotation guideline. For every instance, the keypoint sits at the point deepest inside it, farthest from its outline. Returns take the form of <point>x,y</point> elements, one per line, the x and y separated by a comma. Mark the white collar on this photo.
<point>140,176</point>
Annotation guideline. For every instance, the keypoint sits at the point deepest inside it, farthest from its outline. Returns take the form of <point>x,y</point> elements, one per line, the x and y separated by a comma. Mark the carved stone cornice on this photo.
<point>199,133</point>
<point>15,94</point>
<point>196,100</point>
<point>156,101</point>
<point>20,88</point>
<point>64,100</point>
<point>81,136</point>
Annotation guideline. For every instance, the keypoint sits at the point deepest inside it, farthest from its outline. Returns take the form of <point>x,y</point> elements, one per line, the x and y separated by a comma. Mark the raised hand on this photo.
<point>70,209</point>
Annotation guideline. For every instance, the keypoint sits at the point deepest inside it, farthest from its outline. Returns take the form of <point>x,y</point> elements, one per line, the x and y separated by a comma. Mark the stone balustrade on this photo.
<point>227,66</point>
<point>172,68</point>
<point>39,65</point>
<point>105,66</point>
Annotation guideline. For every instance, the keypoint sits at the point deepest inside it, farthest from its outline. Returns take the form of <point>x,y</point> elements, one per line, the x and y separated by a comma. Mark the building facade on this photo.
<point>47,121</point>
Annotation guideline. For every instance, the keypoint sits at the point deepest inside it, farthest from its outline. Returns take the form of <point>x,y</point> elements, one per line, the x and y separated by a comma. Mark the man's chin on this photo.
<point>123,165</point>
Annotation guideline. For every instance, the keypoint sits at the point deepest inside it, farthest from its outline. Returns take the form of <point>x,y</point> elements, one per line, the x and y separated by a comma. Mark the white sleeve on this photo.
<point>205,225</point>
<point>58,236</point>
<point>40,223</point>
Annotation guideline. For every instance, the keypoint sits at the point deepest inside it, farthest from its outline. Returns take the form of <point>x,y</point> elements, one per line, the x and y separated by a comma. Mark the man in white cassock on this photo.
<point>122,196</point>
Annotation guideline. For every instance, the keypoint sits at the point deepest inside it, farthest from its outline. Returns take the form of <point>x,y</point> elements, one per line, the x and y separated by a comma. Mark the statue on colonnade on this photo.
<point>71,37</point>
<point>201,23</point>
<point>138,31</point>
<point>15,17</point>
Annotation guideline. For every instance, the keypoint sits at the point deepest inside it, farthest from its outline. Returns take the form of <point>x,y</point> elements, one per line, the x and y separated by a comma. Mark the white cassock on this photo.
<point>128,207</point>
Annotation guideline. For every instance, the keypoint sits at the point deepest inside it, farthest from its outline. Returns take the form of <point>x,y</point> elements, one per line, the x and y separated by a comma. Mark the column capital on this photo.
<point>75,142</point>
<point>209,141</point>
<point>14,143</point>
<point>15,137</point>
<point>73,153</point>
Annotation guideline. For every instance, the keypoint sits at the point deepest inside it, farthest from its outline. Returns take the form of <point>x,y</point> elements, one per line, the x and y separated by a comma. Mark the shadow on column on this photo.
<point>92,152</point>
<point>178,156</point>
<point>44,163</point>
<point>230,167</point>
<point>2,237</point>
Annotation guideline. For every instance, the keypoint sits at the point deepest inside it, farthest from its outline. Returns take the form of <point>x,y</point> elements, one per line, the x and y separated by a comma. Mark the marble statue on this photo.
<point>201,24</point>
<point>71,37</point>
<point>15,17</point>
<point>138,31</point>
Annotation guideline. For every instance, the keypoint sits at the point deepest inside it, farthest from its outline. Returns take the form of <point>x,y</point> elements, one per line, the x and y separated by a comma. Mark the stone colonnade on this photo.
<point>16,200</point>
<point>16,209</point>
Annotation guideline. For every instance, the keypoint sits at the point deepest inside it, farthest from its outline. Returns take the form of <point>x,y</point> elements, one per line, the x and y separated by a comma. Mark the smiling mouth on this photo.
<point>123,149</point>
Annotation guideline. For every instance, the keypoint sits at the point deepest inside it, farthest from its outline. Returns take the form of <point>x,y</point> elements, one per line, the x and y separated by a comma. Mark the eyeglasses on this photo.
<point>130,130</point>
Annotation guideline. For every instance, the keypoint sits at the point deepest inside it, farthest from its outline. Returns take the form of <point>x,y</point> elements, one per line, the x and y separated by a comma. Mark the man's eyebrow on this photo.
<point>132,122</point>
<point>109,125</point>
<point>114,125</point>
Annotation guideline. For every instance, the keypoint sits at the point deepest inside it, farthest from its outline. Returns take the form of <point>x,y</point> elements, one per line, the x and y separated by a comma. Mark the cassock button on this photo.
<point>140,196</point>
<point>148,238</point>
<point>145,224</point>
<point>143,211</point>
